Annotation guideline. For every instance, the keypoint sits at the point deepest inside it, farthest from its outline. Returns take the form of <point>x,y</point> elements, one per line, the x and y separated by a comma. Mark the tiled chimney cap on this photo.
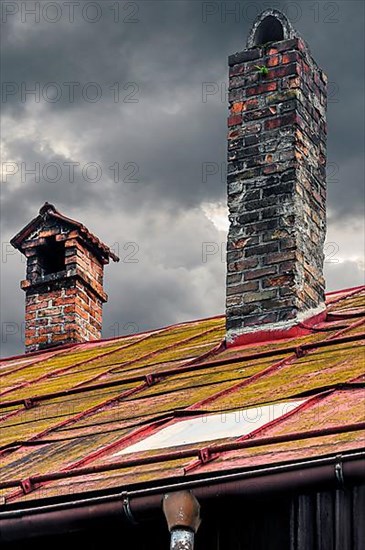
<point>47,207</point>
<point>49,211</point>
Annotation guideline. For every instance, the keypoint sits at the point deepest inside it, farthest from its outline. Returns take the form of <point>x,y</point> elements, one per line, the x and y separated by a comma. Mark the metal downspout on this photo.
<point>182,539</point>
<point>182,513</point>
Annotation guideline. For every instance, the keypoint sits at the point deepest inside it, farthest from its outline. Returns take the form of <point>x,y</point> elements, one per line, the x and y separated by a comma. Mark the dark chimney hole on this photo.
<point>52,256</point>
<point>269,30</point>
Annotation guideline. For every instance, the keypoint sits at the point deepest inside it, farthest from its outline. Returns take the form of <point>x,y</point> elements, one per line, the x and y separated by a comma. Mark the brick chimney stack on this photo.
<point>64,280</point>
<point>276,183</point>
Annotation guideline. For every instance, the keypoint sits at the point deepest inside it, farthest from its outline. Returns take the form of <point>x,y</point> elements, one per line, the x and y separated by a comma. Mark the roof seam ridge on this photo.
<point>306,404</point>
<point>69,367</point>
<point>127,393</point>
<point>276,366</point>
<point>42,479</point>
<point>154,353</point>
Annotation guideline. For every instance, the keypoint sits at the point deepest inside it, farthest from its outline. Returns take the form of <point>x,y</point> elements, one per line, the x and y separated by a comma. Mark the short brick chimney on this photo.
<point>64,280</point>
<point>276,182</point>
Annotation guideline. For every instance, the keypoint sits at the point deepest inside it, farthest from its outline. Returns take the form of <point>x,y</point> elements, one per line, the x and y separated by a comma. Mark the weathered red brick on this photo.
<point>262,88</point>
<point>234,120</point>
<point>245,287</point>
<point>277,281</point>
<point>277,257</point>
<point>251,104</point>
<point>259,296</point>
<point>273,61</point>
<point>280,121</point>
<point>290,57</point>
<point>286,70</point>
<point>237,107</point>
<point>243,264</point>
<point>259,273</point>
<point>237,70</point>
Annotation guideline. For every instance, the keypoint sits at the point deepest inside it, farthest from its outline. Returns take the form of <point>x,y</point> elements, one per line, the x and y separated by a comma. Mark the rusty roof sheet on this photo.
<point>66,414</point>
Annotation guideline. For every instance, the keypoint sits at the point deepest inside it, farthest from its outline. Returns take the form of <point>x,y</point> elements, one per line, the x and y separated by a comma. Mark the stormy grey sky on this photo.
<point>129,106</point>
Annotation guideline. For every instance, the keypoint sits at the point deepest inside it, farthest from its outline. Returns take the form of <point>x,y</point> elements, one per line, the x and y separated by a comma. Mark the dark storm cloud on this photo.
<point>162,133</point>
<point>168,55</point>
<point>43,174</point>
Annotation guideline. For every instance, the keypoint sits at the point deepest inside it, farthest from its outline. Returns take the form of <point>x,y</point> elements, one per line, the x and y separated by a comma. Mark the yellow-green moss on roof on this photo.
<point>80,405</point>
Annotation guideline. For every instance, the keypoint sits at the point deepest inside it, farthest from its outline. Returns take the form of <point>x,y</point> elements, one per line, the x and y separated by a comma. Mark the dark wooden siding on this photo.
<point>329,520</point>
<point>333,520</point>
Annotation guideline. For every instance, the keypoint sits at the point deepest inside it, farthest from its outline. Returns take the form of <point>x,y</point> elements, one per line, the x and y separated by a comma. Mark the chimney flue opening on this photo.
<point>269,30</point>
<point>52,256</point>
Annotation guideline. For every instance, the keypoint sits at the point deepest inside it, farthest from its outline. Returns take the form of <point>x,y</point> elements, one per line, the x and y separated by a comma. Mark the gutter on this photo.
<point>136,505</point>
<point>204,454</point>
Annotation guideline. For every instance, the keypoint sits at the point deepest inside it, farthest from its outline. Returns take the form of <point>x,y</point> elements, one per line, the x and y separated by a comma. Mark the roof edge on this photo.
<point>330,471</point>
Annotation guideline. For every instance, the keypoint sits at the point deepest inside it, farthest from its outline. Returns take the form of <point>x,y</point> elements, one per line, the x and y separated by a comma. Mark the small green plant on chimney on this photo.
<point>262,70</point>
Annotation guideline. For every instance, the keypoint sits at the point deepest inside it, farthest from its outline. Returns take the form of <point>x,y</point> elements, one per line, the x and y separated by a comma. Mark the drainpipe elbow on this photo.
<point>182,513</point>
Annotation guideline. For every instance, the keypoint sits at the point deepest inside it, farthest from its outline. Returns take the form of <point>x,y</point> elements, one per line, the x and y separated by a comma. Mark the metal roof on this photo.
<point>67,414</point>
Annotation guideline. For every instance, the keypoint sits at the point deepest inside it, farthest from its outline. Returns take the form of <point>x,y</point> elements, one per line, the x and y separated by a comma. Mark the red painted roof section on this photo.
<point>66,414</point>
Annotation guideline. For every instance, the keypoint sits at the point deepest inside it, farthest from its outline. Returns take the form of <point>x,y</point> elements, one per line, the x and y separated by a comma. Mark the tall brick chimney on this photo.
<point>276,183</point>
<point>64,280</point>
